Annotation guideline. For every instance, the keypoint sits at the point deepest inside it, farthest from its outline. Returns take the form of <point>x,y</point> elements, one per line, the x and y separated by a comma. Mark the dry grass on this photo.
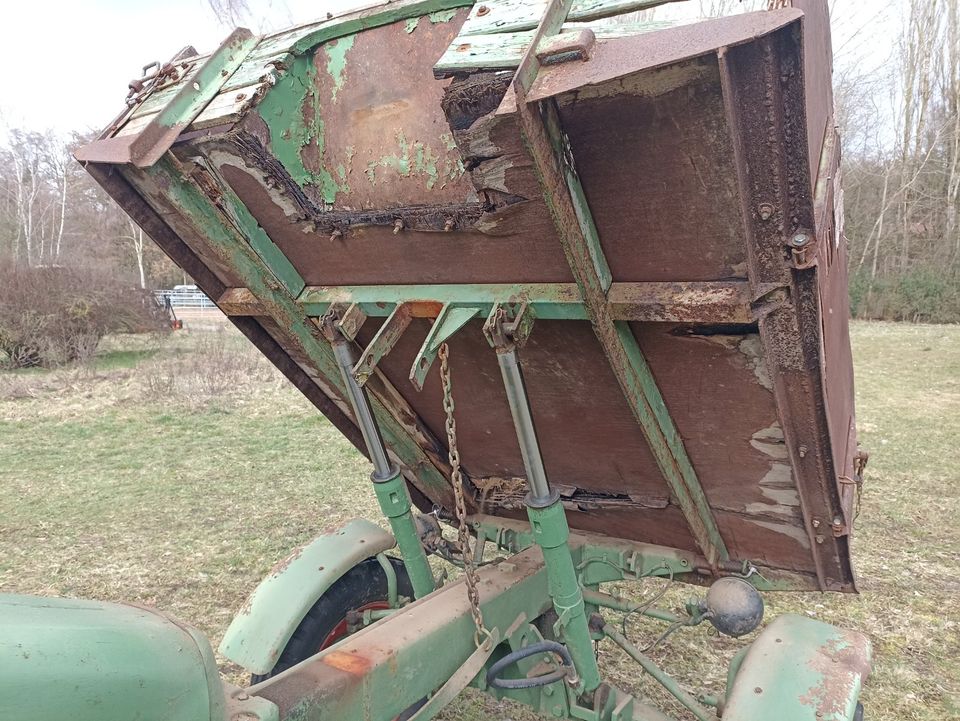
<point>177,471</point>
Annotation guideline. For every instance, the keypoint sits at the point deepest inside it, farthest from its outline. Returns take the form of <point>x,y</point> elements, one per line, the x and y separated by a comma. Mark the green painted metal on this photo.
<point>383,15</point>
<point>148,146</point>
<point>259,632</point>
<point>799,669</point>
<point>262,244</point>
<point>94,661</point>
<point>550,301</point>
<point>508,16</point>
<point>460,679</point>
<point>449,320</point>
<point>382,342</point>
<point>578,199</point>
<point>667,446</point>
<point>701,712</point>
<point>605,600</point>
<point>394,501</point>
<point>551,533</point>
<point>164,184</point>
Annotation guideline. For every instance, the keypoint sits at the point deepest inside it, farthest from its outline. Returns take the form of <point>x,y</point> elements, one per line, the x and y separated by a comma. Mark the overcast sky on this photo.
<point>67,62</point>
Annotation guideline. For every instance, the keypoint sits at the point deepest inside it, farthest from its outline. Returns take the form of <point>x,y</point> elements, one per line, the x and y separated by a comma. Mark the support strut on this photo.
<point>388,481</point>
<point>548,520</point>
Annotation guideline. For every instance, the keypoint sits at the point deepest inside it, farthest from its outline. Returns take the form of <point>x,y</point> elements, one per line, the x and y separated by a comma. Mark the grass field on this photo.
<point>177,471</point>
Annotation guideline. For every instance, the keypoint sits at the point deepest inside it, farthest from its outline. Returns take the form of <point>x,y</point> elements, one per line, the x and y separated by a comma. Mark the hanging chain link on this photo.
<point>481,634</point>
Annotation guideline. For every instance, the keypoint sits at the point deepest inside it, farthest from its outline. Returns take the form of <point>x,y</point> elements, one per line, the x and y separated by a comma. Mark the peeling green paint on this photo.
<point>292,114</point>
<point>411,24</point>
<point>415,158</point>
<point>336,51</point>
<point>442,16</point>
<point>448,142</point>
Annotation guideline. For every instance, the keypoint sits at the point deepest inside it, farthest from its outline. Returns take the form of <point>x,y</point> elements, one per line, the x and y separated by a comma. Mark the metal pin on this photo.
<point>397,225</point>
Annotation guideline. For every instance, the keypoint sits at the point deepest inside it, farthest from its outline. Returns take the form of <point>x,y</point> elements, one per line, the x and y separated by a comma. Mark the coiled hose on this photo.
<point>565,671</point>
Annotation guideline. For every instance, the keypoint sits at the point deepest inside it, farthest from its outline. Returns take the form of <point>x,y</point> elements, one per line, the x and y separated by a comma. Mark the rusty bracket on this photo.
<point>803,249</point>
<point>449,320</point>
<point>508,328</point>
<point>566,47</point>
<point>382,343</point>
<point>351,320</point>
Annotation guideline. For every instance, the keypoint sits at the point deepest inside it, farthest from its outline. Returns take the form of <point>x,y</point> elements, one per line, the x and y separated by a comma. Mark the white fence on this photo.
<point>184,297</point>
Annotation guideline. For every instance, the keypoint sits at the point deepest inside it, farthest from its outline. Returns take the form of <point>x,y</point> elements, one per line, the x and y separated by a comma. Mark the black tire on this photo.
<point>363,584</point>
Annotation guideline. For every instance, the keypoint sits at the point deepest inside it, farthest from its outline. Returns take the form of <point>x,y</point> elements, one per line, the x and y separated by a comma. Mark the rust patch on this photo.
<point>352,663</point>
<point>842,664</point>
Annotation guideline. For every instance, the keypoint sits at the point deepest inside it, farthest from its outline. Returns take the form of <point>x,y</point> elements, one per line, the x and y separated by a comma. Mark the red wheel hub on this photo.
<point>342,629</point>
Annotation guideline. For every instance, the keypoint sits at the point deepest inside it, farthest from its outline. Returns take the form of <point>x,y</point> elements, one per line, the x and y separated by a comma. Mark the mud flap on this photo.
<point>800,669</point>
<point>260,631</point>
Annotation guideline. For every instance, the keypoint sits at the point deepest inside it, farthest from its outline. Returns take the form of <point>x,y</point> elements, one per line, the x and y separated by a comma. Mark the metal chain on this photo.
<point>481,634</point>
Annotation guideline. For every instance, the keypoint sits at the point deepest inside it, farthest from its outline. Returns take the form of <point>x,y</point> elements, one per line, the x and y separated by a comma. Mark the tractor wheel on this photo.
<point>361,588</point>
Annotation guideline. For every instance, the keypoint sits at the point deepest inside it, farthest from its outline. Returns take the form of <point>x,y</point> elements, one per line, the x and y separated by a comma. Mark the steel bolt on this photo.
<point>449,225</point>
<point>765,210</point>
<point>336,235</point>
<point>397,226</point>
<point>799,240</point>
<point>482,10</point>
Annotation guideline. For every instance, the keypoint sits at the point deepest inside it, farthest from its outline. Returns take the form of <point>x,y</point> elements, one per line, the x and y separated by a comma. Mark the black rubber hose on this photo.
<point>493,675</point>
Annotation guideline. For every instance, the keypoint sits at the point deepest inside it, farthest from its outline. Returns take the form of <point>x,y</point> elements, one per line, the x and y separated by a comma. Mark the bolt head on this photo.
<point>799,240</point>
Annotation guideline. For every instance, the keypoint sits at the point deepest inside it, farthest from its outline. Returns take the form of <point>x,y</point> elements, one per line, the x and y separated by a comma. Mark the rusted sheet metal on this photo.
<point>619,57</point>
<point>717,302</point>
<point>148,146</point>
<point>764,96</point>
<point>386,143</point>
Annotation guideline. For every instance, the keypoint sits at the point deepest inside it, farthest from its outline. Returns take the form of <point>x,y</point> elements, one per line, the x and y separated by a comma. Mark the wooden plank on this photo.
<point>228,107</point>
<point>506,16</point>
<point>552,159</point>
<point>495,51</point>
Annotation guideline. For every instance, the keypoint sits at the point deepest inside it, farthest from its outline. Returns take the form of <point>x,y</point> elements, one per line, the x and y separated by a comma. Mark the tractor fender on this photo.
<point>800,669</point>
<point>260,631</point>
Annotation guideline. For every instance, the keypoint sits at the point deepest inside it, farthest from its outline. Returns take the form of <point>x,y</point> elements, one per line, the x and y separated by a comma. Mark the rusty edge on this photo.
<point>763,94</point>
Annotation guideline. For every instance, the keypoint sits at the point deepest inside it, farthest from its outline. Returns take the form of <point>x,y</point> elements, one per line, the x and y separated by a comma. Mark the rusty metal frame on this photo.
<point>713,302</point>
<point>765,114</point>
<point>553,161</point>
